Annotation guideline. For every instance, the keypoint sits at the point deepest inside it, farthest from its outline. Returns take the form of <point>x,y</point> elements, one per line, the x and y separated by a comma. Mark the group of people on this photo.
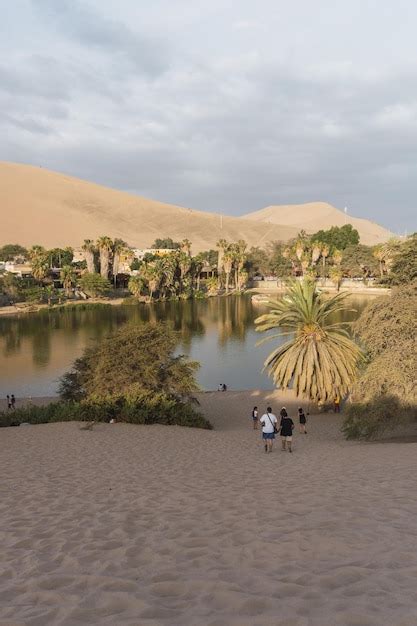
<point>222,387</point>
<point>270,428</point>
<point>11,401</point>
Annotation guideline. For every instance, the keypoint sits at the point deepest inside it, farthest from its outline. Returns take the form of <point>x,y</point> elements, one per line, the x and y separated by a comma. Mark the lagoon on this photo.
<point>37,348</point>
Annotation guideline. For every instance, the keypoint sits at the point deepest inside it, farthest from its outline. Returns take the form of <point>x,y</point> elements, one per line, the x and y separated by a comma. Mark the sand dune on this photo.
<point>167,526</point>
<point>51,209</point>
<point>314,216</point>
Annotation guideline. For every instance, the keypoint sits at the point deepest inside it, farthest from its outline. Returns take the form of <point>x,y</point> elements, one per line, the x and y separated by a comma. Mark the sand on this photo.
<point>145,526</point>
<point>52,209</point>
<point>38,206</point>
<point>314,216</point>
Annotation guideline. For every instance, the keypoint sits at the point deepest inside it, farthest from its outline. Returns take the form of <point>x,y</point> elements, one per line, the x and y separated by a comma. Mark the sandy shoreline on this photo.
<point>168,526</point>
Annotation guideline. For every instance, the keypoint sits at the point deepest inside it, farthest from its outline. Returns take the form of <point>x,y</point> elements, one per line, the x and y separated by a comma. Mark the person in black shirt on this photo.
<point>303,421</point>
<point>286,429</point>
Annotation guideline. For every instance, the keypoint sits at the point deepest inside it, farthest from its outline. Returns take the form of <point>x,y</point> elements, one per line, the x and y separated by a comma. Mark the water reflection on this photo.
<point>36,349</point>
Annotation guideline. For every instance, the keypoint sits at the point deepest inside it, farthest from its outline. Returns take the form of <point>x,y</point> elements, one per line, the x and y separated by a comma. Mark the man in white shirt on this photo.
<point>268,422</point>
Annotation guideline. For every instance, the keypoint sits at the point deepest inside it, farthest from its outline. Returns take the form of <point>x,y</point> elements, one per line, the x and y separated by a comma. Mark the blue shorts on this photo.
<point>268,435</point>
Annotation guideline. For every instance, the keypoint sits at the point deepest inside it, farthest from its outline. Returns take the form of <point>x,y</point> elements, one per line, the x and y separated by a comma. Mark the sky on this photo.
<point>219,105</point>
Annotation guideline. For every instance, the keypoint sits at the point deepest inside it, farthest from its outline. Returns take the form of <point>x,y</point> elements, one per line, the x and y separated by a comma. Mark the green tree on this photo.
<point>12,250</point>
<point>359,262</point>
<point>94,285</point>
<point>136,285</point>
<point>337,236</point>
<point>320,360</point>
<point>68,278</point>
<point>404,263</point>
<point>119,247</point>
<point>132,360</point>
<point>58,257</point>
<point>40,263</point>
<point>166,244</point>
<point>89,249</point>
<point>105,247</point>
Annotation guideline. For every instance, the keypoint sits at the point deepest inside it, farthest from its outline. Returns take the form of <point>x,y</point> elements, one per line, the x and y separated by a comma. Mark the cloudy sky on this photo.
<point>219,105</point>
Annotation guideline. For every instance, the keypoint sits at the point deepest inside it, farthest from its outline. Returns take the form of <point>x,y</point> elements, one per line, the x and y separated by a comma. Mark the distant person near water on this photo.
<point>269,428</point>
<point>255,417</point>
<point>336,403</point>
<point>9,402</point>
<point>303,421</point>
<point>13,401</point>
<point>286,428</point>
<point>222,387</point>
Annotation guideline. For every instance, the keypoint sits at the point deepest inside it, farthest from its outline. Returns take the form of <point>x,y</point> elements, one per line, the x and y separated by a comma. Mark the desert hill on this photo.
<point>51,209</point>
<point>38,206</point>
<point>314,216</point>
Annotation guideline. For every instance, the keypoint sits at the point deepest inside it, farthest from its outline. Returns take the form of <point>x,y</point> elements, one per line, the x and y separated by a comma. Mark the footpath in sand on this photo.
<point>153,525</point>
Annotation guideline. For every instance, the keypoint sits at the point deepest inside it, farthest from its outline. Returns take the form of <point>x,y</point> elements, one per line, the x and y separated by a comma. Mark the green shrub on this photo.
<point>144,408</point>
<point>369,420</point>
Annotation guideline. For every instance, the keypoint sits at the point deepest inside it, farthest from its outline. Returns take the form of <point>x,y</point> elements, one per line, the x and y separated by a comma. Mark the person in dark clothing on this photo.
<point>255,417</point>
<point>13,401</point>
<point>9,403</point>
<point>286,428</point>
<point>303,421</point>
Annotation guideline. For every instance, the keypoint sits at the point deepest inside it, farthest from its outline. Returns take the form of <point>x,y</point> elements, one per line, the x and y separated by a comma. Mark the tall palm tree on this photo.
<point>315,252</point>
<point>40,262</point>
<point>119,247</point>
<point>336,276</point>
<point>228,259</point>
<point>325,251</point>
<point>320,359</point>
<point>89,249</point>
<point>186,246</point>
<point>222,245</point>
<point>104,245</point>
<point>136,285</point>
<point>337,257</point>
<point>68,278</point>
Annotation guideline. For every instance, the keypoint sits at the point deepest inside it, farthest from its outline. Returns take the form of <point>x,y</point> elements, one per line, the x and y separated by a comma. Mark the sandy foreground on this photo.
<point>153,525</point>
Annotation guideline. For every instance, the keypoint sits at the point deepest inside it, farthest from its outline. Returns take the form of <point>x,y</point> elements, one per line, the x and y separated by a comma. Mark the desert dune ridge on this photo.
<point>126,525</point>
<point>39,206</point>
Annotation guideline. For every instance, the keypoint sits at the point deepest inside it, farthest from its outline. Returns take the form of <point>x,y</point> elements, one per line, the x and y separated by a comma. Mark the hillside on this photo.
<point>314,216</point>
<point>51,209</point>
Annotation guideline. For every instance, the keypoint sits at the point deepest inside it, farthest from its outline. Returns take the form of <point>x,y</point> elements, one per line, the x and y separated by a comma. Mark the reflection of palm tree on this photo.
<point>320,360</point>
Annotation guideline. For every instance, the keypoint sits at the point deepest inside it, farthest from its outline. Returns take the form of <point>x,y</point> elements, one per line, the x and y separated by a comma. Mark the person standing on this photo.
<point>9,403</point>
<point>303,421</point>
<point>255,417</point>
<point>268,422</point>
<point>13,401</point>
<point>286,428</point>
<point>336,403</point>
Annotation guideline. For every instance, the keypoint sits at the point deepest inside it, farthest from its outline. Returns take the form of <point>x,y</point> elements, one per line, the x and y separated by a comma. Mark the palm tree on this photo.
<point>222,245</point>
<point>315,252</point>
<point>184,263</point>
<point>228,259</point>
<point>68,278</point>
<point>240,258</point>
<point>320,360</point>
<point>136,285</point>
<point>336,276</point>
<point>39,261</point>
<point>119,247</point>
<point>89,248</point>
<point>104,245</point>
<point>186,246</point>
<point>337,257</point>
<point>325,250</point>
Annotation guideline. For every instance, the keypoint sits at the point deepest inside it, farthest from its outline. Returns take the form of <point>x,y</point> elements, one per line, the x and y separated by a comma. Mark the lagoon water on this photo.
<point>36,349</point>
